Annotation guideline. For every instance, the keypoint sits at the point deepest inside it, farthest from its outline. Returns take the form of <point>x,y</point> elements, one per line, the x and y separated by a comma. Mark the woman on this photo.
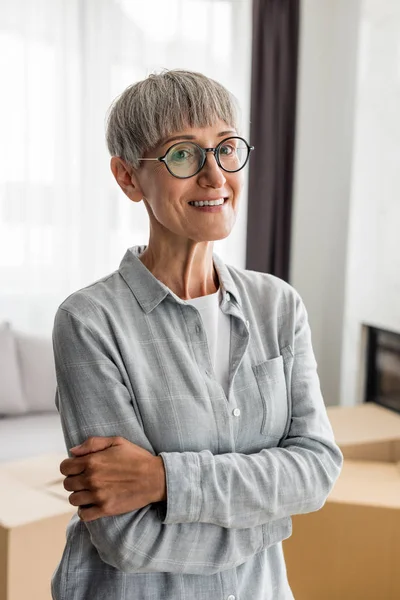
<point>190,385</point>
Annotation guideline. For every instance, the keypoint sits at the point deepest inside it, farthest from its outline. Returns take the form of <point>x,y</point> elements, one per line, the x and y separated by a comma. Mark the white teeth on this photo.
<point>208,203</point>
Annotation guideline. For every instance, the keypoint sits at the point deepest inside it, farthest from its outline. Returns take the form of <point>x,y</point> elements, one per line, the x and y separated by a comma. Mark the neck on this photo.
<point>189,271</point>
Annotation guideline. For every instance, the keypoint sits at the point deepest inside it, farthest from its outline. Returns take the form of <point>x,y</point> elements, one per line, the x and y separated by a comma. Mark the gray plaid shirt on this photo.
<point>132,360</point>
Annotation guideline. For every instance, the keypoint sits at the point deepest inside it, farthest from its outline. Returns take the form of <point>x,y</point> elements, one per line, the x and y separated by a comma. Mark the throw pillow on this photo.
<point>12,401</point>
<point>37,371</point>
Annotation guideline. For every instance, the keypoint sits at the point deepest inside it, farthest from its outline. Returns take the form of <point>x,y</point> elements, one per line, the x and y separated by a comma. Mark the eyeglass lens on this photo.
<point>185,159</point>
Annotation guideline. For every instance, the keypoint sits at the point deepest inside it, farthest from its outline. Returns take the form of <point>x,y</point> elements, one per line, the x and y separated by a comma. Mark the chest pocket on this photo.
<point>273,379</point>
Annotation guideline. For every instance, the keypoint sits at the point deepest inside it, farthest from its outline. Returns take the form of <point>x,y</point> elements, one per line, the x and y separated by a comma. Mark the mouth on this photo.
<point>209,205</point>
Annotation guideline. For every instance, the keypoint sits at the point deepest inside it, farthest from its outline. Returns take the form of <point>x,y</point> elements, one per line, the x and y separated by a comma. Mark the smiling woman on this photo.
<point>187,388</point>
<point>174,144</point>
<point>171,188</point>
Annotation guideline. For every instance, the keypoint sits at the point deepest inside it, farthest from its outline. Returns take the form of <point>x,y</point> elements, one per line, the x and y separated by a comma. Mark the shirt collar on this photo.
<point>149,291</point>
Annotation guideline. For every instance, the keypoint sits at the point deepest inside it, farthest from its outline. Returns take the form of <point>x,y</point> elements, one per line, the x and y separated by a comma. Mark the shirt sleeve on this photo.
<point>93,399</point>
<point>238,490</point>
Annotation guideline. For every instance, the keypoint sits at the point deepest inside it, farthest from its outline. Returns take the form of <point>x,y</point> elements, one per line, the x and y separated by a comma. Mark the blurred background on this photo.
<point>318,82</point>
<point>319,86</point>
<point>64,221</point>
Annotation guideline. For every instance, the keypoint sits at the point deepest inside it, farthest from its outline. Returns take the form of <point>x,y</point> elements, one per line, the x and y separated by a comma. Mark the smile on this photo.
<point>208,202</point>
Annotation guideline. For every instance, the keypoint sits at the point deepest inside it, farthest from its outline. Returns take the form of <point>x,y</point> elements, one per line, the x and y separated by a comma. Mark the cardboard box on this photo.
<point>350,549</point>
<point>34,513</point>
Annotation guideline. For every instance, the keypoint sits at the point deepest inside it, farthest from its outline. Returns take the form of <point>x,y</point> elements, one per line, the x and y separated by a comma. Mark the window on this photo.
<point>63,220</point>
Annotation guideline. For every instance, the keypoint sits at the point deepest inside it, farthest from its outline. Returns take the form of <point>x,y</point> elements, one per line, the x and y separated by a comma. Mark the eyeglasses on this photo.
<point>186,159</point>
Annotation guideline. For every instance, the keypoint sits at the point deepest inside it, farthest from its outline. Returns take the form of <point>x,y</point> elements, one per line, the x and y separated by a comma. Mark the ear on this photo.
<point>126,178</point>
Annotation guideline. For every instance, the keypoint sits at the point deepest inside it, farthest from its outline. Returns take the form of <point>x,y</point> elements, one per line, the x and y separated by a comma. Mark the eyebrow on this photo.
<point>193,137</point>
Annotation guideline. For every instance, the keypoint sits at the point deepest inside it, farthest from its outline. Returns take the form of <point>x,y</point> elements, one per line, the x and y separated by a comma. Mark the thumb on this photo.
<point>92,444</point>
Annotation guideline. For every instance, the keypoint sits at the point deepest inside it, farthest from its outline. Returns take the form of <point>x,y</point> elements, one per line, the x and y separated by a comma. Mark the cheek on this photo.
<point>162,191</point>
<point>168,199</point>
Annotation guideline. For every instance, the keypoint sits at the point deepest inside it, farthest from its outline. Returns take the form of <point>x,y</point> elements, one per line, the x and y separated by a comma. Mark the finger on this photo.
<point>93,444</point>
<point>81,498</point>
<point>74,483</point>
<point>71,466</point>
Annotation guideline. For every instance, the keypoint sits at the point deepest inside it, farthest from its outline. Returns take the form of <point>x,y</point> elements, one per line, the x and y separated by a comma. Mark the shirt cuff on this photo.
<point>184,497</point>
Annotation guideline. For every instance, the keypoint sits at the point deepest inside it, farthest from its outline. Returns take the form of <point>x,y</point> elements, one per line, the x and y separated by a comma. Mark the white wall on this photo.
<point>373,273</point>
<point>328,51</point>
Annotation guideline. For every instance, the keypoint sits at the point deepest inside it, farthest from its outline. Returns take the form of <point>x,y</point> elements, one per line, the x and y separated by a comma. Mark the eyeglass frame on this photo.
<point>204,151</point>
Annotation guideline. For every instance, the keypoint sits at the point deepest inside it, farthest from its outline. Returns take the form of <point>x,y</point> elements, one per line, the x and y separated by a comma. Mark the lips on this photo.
<point>210,202</point>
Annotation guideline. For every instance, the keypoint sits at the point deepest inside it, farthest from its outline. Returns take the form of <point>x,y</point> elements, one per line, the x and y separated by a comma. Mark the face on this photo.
<point>168,198</point>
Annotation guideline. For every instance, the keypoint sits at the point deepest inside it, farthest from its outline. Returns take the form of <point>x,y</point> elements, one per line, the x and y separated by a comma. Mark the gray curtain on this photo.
<point>272,132</point>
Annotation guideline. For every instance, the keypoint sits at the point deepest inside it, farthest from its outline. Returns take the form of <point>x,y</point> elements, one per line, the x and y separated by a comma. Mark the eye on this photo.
<point>181,154</point>
<point>227,150</point>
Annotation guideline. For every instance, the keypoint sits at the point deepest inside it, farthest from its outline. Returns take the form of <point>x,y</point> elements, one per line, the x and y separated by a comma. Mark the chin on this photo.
<point>211,236</point>
<point>219,233</point>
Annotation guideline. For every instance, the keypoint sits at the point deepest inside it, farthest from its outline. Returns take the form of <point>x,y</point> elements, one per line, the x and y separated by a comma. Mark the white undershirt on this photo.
<point>218,330</point>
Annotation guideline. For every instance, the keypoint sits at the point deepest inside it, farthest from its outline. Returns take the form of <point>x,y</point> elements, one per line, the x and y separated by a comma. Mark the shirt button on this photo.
<point>236,412</point>
<point>228,297</point>
<point>197,329</point>
<point>231,597</point>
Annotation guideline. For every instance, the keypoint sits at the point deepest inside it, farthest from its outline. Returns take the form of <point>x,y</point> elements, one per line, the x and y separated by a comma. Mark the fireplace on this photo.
<point>383,368</point>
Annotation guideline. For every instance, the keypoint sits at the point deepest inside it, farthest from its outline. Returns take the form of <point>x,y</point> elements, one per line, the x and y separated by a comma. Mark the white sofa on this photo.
<point>29,421</point>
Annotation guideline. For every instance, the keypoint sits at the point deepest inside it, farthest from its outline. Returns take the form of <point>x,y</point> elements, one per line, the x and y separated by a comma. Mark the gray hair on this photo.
<point>162,104</point>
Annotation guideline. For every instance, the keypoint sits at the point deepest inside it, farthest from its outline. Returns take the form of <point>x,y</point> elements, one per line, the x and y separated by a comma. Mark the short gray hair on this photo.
<point>162,104</point>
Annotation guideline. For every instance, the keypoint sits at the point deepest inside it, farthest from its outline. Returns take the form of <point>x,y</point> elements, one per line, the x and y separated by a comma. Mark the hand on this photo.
<point>111,476</point>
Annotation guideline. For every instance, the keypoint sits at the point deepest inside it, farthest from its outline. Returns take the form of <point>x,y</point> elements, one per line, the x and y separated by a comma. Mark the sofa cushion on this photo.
<point>12,400</point>
<point>31,435</point>
<point>38,377</point>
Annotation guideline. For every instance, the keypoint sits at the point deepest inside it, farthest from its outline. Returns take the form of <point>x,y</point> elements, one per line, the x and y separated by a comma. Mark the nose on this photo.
<point>211,175</point>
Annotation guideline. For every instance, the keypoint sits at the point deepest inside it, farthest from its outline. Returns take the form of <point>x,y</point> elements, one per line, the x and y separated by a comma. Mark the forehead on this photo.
<point>202,135</point>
